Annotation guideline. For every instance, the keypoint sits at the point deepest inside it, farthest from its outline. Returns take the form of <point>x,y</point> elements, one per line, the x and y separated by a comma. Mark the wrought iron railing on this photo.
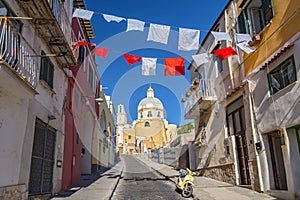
<point>205,88</point>
<point>63,20</point>
<point>17,53</point>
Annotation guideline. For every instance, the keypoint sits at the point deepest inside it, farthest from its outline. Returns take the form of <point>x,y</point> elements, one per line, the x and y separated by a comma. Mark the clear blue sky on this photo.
<point>124,83</point>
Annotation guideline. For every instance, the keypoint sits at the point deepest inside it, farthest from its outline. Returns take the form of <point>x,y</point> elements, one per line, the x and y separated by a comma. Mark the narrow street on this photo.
<point>139,181</point>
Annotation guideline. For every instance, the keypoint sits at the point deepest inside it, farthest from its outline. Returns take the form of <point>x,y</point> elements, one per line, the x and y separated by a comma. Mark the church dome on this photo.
<point>150,101</point>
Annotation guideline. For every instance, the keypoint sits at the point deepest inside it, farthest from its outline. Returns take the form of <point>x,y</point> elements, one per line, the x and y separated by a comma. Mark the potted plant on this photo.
<point>196,82</point>
<point>183,100</point>
<point>188,93</point>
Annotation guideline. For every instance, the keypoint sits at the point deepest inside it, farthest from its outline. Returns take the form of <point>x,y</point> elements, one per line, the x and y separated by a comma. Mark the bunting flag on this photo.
<point>100,52</point>
<point>131,59</point>
<point>188,39</point>
<point>200,59</point>
<point>243,37</point>
<point>225,52</point>
<point>221,36</point>
<point>174,66</point>
<point>149,66</point>
<point>159,33</point>
<point>85,14</point>
<point>135,25</point>
<point>83,43</point>
<point>246,47</point>
<point>110,18</point>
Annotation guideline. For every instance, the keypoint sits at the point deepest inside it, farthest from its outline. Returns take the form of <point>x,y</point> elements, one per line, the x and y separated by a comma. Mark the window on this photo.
<point>141,114</point>
<point>147,124</point>
<point>129,137</point>
<point>42,159</point>
<point>219,63</point>
<point>81,54</point>
<point>255,16</point>
<point>91,76</point>
<point>282,76</point>
<point>158,114</point>
<point>149,114</point>
<point>47,70</point>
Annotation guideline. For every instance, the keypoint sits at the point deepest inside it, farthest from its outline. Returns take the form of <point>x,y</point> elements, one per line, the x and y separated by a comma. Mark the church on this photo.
<point>150,130</point>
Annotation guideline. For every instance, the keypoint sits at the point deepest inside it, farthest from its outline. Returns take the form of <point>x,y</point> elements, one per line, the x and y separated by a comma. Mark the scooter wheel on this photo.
<point>187,191</point>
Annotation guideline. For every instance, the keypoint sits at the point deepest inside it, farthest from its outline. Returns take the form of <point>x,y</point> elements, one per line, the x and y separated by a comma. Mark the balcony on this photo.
<point>200,99</point>
<point>53,25</point>
<point>16,59</point>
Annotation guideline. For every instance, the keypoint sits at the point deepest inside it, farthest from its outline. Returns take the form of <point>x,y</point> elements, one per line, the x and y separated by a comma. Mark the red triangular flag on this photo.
<point>174,66</point>
<point>100,52</point>
<point>225,52</point>
<point>81,43</point>
<point>130,59</point>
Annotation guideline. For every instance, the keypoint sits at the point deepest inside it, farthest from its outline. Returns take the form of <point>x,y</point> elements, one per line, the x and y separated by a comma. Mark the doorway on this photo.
<point>277,162</point>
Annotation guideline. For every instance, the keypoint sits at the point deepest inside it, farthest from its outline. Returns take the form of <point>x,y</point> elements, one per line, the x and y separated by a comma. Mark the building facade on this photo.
<point>34,53</point>
<point>81,108</point>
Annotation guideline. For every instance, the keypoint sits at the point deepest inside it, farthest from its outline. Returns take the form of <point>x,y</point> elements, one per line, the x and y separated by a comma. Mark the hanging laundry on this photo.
<point>159,33</point>
<point>85,14</point>
<point>246,47</point>
<point>135,25</point>
<point>131,59</point>
<point>110,18</point>
<point>102,52</point>
<point>174,66</point>
<point>201,58</point>
<point>221,36</point>
<point>188,39</point>
<point>243,37</point>
<point>225,52</point>
<point>149,66</point>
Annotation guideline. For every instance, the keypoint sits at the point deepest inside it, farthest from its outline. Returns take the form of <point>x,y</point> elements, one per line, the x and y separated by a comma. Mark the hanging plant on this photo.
<point>188,93</point>
<point>193,87</point>
<point>196,82</point>
<point>183,100</point>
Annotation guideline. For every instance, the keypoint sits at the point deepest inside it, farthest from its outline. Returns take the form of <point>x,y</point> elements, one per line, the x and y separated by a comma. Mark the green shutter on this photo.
<point>243,23</point>
<point>42,68</point>
<point>268,10</point>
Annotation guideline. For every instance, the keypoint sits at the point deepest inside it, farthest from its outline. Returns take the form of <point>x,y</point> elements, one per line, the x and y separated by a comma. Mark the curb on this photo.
<point>119,177</point>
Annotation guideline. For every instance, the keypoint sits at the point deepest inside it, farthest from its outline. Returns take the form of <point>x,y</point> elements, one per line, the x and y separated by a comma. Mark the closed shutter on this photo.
<point>268,10</point>
<point>243,23</point>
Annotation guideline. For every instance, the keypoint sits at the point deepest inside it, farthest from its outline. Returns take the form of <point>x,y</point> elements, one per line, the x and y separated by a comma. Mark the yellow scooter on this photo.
<point>185,182</point>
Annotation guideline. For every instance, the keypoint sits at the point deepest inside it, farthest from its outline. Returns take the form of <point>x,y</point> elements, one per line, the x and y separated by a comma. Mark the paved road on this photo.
<point>139,181</point>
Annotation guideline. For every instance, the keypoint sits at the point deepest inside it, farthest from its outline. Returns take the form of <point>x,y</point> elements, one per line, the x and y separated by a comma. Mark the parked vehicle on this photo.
<point>185,182</point>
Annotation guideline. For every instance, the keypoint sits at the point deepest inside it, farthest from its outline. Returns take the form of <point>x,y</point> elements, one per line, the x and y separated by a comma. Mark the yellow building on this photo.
<point>271,74</point>
<point>151,129</point>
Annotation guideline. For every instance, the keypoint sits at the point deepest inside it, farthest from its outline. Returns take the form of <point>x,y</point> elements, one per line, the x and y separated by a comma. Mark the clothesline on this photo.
<point>148,22</point>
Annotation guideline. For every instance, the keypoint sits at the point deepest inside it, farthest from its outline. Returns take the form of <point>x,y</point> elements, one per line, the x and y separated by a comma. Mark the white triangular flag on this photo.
<point>159,33</point>
<point>243,37</point>
<point>133,24</point>
<point>110,18</point>
<point>221,36</point>
<point>245,47</point>
<point>201,58</point>
<point>85,14</point>
<point>188,39</point>
<point>149,66</point>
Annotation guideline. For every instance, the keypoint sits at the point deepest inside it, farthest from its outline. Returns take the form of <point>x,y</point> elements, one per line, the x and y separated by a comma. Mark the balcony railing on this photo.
<point>53,24</point>
<point>203,92</point>
<point>17,53</point>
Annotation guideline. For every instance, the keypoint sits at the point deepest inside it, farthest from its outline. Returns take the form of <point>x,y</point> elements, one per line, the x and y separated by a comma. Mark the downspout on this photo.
<point>256,136</point>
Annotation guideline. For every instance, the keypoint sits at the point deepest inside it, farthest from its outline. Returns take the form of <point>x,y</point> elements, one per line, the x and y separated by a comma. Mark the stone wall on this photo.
<point>223,173</point>
<point>15,192</point>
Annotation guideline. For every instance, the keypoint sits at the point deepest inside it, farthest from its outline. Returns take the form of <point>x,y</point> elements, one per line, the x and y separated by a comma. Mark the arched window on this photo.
<point>141,114</point>
<point>147,124</point>
<point>149,114</point>
<point>158,114</point>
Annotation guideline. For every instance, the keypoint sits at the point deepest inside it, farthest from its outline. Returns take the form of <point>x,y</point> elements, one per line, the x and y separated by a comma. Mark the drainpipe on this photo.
<point>256,137</point>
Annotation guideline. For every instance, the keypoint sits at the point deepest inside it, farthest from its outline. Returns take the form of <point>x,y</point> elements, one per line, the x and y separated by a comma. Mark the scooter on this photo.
<point>185,182</point>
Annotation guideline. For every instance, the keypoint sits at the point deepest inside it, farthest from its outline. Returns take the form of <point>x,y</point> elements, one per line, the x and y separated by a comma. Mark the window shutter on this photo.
<point>42,68</point>
<point>51,74</point>
<point>268,10</point>
<point>243,23</point>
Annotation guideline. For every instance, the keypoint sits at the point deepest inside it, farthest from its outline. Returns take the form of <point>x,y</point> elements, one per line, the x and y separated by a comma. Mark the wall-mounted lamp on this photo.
<point>51,117</point>
<point>99,100</point>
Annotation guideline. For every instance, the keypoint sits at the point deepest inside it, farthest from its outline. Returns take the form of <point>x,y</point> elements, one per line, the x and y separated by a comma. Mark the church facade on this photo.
<point>151,129</point>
